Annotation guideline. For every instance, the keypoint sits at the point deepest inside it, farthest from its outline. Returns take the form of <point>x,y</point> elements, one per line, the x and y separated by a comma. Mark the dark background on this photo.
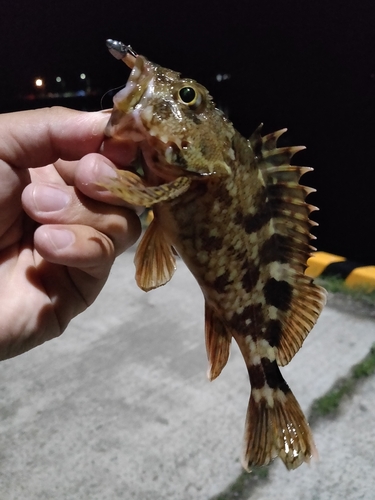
<point>308,66</point>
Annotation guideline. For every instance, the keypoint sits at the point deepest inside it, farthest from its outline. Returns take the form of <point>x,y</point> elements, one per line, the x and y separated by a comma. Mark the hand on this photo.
<point>59,231</point>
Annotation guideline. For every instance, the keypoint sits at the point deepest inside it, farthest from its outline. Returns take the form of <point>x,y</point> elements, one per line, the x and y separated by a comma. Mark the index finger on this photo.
<point>38,137</point>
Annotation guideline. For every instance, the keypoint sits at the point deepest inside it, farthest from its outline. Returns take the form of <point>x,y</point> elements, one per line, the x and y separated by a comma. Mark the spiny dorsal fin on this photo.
<point>307,303</point>
<point>154,260</point>
<point>291,239</point>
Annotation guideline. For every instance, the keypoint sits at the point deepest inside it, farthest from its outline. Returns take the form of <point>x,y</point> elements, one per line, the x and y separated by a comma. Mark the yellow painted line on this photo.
<point>362,277</point>
<point>319,261</point>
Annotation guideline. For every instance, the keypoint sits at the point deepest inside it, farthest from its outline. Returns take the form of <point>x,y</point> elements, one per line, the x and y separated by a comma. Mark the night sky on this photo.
<point>308,66</point>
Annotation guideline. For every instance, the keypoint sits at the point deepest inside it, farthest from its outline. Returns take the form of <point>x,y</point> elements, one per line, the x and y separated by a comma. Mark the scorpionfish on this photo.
<point>233,209</point>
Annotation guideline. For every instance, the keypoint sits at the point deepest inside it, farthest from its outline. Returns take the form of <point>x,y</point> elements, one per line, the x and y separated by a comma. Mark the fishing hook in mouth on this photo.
<point>121,51</point>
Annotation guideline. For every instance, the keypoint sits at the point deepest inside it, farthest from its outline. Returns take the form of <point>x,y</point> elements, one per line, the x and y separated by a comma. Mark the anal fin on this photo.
<point>154,259</point>
<point>218,340</point>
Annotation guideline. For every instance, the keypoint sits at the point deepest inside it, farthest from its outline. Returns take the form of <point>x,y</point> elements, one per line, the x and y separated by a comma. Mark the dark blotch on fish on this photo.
<point>271,250</point>
<point>273,332</point>
<point>256,375</point>
<point>221,282</point>
<point>252,312</point>
<point>250,278</point>
<point>278,293</point>
<point>213,243</point>
<point>273,375</point>
<point>252,223</point>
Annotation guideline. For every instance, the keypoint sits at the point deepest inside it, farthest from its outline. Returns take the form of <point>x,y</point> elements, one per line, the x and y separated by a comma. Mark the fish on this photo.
<point>235,212</point>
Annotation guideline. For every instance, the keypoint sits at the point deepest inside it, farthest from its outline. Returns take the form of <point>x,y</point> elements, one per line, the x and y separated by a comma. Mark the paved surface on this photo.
<point>120,408</point>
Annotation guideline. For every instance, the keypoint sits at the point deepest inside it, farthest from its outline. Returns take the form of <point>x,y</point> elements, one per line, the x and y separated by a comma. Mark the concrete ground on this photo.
<point>119,407</point>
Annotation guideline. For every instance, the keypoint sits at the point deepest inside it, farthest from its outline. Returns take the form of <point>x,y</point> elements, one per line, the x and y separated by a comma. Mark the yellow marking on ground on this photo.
<point>319,261</point>
<point>362,277</point>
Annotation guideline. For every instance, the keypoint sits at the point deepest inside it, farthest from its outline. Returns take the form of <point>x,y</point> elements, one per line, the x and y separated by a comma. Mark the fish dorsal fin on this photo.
<point>287,250</point>
<point>218,340</point>
<point>306,305</point>
<point>154,259</point>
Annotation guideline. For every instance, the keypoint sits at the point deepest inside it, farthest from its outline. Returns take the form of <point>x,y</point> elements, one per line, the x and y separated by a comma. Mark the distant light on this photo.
<point>58,79</point>
<point>220,77</point>
<point>82,76</point>
<point>39,82</point>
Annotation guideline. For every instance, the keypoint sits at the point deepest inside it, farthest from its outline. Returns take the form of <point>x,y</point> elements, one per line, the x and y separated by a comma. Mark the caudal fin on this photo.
<point>276,426</point>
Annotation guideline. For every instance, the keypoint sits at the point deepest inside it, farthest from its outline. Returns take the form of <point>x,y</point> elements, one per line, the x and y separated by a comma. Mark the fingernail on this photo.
<point>49,199</point>
<point>103,173</point>
<point>104,170</point>
<point>99,125</point>
<point>61,238</point>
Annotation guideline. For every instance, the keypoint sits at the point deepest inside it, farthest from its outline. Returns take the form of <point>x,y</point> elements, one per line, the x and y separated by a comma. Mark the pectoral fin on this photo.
<point>218,340</point>
<point>132,189</point>
<point>154,260</point>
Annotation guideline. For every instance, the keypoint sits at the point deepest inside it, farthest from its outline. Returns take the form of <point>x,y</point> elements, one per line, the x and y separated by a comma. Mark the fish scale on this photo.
<point>234,210</point>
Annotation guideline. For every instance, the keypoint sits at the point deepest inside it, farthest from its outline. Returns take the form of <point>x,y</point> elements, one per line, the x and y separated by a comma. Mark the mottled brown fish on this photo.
<point>234,210</point>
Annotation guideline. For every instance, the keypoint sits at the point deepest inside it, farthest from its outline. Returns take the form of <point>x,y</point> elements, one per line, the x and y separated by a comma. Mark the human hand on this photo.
<point>59,231</point>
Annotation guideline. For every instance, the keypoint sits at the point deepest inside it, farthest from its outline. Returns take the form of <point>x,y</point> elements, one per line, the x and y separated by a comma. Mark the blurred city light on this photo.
<point>222,76</point>
<point>58,79</point>
<point>82,76</point>
<point>39,82</point>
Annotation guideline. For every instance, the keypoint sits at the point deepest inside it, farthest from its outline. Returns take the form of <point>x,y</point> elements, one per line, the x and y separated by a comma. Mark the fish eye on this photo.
<point>188,95</point>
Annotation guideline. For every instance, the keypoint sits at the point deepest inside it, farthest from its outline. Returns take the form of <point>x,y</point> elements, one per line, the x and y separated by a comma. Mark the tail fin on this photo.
<point>276,426</point>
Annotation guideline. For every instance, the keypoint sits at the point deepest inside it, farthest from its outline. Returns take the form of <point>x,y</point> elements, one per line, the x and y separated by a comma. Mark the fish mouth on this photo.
<point>156,159</point>
<point>131,119</point>
<point>153,157</point>
<point>137,84</point>
<point>126,100</point>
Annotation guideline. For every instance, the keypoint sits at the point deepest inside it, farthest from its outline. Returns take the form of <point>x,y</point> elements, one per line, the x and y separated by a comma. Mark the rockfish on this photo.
<point>234,210</point>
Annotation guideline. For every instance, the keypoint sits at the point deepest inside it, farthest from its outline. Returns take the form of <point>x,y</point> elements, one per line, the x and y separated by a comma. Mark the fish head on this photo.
<point>174,121</point>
